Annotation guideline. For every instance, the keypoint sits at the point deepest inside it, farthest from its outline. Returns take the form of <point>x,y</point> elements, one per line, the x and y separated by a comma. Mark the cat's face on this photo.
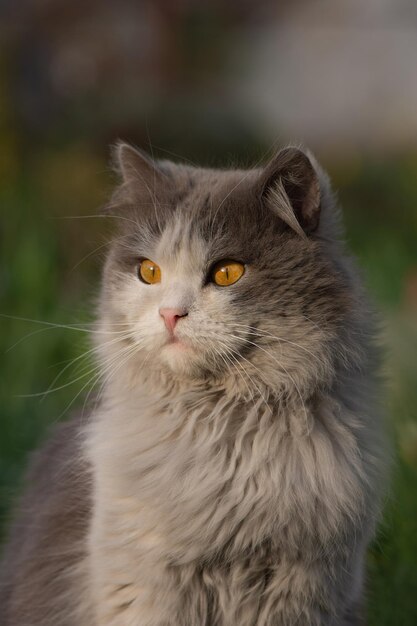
<point>206,279</point>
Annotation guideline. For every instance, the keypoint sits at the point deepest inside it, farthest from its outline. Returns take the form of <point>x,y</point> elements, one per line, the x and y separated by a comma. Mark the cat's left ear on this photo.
<point>134,165</point>
<point>291,188</point>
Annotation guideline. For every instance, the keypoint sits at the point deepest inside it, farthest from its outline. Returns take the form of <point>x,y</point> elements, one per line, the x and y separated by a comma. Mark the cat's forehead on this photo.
<point>201,215</point>
<point>180,244</point>
<point>215,205</point>
<point>216,215</point>
<point>205,192</point>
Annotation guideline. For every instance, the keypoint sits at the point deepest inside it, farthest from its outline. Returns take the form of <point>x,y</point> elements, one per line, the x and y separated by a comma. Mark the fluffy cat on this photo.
<point>231,472</point>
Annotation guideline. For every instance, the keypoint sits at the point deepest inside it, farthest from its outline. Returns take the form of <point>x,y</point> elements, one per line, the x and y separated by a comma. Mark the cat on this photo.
<point>231,472</point>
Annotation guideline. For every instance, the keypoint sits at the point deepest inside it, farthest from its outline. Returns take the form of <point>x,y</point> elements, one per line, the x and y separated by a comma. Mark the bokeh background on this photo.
<point>218,83</point>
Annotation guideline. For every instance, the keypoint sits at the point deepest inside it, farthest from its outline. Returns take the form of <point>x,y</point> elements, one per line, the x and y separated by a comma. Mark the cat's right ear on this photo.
<point>291,188</point>
<point>142,177</point>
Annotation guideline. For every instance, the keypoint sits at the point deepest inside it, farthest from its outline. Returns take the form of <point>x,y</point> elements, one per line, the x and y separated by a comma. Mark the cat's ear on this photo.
<point>290,187</point>
<point>139,172</point>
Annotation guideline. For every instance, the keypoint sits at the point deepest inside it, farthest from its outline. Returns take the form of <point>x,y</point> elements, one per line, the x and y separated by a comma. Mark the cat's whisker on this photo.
<point>76,327</point>
<point>102,375</point>
<point>95,349</point>
<point>101,370</point>
<point>243,372</point>
<point>233,362</point>
<point>52,389</point>
<point>95,378</point>
<point>285,370</point>
<point>247,373</point>
<point>263,333</point>
<point>302,314</point>
<point>178,156</point>
<point>97,215</point>
<point>69,405</point>
<point>43,394</point>
<point>90,254</point>
<point>49,324</point>
<point>134,350</point>
<point>22,339</point>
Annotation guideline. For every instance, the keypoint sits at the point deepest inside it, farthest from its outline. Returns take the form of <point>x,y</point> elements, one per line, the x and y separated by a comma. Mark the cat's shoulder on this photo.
<point>57,474</point>
<point>49,523</point>
<point>60,455</point>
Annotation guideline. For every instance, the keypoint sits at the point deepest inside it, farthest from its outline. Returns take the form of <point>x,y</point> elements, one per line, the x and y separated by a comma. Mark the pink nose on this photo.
<point>171,317</point>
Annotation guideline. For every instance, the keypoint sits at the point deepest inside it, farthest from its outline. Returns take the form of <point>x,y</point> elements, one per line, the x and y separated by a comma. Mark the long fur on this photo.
<point>234,482</point>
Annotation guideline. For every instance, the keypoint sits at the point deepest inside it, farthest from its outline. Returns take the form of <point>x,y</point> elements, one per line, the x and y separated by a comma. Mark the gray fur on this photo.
<point>234,482</point>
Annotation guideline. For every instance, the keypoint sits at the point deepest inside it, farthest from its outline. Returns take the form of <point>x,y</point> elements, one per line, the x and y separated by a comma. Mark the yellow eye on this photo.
<point>227,273</point>
<point>149,272</point>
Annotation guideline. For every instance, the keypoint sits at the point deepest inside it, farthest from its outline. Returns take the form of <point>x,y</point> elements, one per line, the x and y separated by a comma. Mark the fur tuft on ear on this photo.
<point>134,165</point>
<point>143,181</point>
<point>291,187</point>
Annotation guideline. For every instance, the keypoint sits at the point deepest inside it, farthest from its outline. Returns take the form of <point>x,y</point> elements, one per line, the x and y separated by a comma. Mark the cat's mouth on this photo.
<point>177,343</point>
<point>180,355</point>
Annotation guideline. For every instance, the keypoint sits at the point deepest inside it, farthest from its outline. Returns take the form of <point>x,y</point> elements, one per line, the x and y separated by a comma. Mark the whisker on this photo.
<point>133,351</point>
<point>88,217</point>
<point>285,370</point>
<point>83,356</point>
<point>247,373</point>
<point>174,154</point>
<point>90,254</point>
<point>77,327</point>
<point>232,363</point>
<point>94,379</point>
<point>264,333</point>
<point>31,334</point>
<point>111,372</point>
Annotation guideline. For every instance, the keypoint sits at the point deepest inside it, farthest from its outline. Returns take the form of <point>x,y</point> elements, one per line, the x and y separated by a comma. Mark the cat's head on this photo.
<point>223,274</point>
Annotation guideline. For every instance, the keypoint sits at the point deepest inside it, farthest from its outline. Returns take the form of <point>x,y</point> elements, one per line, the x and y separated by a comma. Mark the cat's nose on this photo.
<point>171,316</point>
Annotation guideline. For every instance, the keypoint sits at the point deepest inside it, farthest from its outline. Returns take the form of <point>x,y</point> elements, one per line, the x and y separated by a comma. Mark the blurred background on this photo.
<point>216,82</point>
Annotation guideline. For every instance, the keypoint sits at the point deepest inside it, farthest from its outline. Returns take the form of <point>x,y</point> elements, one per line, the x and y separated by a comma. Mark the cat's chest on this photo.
<point>207,478</point>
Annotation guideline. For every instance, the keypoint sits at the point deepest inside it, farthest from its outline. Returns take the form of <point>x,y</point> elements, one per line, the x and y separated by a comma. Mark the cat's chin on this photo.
<point>180,358</point>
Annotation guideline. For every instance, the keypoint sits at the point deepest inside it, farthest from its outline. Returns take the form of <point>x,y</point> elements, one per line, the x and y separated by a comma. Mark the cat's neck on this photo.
<point>164,385</point>
<point>160,393</point>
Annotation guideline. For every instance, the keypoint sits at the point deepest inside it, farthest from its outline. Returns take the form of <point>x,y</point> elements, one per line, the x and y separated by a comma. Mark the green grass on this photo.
<point>38,280</point>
